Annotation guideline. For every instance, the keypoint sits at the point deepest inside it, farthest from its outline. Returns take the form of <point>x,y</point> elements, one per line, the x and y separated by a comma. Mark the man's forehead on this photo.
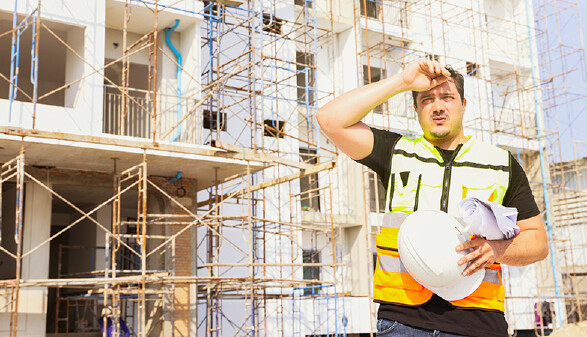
<point>448,86</point>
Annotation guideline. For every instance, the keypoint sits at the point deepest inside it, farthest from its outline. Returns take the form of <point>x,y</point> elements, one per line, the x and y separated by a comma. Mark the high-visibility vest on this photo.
<point>420,179</point>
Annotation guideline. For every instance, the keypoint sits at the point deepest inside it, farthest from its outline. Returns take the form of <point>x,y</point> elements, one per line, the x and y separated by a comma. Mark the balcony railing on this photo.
<point>136,120</point>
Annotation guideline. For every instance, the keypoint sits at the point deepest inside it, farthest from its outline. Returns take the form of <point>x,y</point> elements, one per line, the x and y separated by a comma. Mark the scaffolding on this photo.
<point>259,247</point>
<point>249,73</point>
<point>500,54</point>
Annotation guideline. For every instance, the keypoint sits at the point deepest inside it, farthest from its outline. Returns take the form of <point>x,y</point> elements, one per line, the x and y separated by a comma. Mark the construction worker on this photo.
<point>436,171</point>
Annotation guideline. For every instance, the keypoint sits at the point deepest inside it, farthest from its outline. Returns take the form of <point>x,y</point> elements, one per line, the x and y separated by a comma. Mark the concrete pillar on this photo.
<point>37,228</point>
<point>104,217</point>
<point>191,54</point>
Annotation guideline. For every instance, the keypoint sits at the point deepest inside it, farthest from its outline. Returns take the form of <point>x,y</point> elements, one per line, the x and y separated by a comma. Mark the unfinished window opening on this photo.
<point>211,8</point>
<point>307,3</point>
<point>133,119</point>
<point>309,192</point>
<point>311,272</point>
<point>214,120</point>
<point>57,65</point>
<point>376,194</point>
<point>271,24</point>
<point>433,57</point>
<point>306,78</point>
<point>370,8</point>
<point>374,75</point>
<point>125,258</point>
<point>273,128</point>
<point>472,69</point>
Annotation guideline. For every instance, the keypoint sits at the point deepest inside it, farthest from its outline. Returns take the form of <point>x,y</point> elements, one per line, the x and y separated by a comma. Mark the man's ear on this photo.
<point>464,103</point>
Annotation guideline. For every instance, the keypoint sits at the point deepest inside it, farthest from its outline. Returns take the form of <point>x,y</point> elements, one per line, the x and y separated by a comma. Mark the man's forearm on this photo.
<point>529,246</point>
<point>526,248</point>
<point>350,107</point>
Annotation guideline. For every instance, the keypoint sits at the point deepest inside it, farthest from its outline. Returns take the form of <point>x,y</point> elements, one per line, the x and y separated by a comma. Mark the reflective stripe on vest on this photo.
<point>420,179</point>
<point>391,264</point>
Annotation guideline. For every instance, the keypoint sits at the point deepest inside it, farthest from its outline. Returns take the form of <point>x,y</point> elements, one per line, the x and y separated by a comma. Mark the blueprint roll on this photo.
<point>488,219</point>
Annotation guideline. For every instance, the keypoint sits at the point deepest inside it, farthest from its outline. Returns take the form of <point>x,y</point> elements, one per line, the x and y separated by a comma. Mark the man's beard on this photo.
<point>440,134</point>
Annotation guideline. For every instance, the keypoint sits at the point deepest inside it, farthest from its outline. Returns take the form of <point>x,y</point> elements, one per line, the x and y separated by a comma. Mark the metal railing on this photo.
<point>136,122</point>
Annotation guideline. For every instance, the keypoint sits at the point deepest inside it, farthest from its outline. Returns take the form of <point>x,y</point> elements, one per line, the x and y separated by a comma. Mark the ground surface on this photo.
<point>571,330</point>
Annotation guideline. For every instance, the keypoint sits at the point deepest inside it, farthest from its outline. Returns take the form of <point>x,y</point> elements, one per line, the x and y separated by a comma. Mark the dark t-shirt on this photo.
<point>438,314</point>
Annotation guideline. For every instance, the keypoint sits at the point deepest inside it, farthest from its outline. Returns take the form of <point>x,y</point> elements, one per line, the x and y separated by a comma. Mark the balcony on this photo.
<point>137,120</point>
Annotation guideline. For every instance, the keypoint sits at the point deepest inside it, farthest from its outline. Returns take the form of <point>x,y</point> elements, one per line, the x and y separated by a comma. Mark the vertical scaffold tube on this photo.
<point>539,126</point>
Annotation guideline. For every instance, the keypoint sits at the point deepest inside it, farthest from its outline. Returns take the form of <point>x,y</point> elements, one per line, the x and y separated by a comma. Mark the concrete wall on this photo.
<point>84,99</point>
<point>92,35</point>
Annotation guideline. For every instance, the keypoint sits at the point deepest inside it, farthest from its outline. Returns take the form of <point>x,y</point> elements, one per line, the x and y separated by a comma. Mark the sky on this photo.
<point>572,117</point>
<point>582,119</point>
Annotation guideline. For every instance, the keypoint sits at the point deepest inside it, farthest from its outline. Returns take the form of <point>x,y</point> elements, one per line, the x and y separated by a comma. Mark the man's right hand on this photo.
<point>423,75</point>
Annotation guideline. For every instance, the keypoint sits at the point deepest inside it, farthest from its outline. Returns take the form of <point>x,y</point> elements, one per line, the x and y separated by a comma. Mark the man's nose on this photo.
<point>438,105</point>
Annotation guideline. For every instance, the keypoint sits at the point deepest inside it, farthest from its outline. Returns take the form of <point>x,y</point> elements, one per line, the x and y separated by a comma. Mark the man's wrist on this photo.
<point>397,84</point>
<point>499,247</point>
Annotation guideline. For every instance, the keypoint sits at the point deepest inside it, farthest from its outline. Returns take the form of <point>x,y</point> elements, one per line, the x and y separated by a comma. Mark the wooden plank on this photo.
<point>235,151</point>
<point>302,173</point>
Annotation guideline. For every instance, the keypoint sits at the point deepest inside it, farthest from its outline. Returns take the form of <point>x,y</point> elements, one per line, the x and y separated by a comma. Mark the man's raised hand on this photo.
<point>423,75</point>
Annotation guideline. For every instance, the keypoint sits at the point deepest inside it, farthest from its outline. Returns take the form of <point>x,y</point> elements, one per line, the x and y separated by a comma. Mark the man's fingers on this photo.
<point>480,257</point>
<point>469,244</point>
<point>437,68</point>
<point>470,257</point>
<point>473,268</point>
<point>429,69</point>
<point>438,81</point>
<point>424,66</point>
<point>435,73</point>
<point>478,264</point>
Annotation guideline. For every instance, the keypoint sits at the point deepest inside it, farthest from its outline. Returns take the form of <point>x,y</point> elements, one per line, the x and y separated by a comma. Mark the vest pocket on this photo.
<point>478,190</point>
<point>405,193</point>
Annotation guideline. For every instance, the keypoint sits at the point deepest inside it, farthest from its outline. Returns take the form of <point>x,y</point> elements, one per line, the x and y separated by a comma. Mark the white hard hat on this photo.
<point>426,242</point>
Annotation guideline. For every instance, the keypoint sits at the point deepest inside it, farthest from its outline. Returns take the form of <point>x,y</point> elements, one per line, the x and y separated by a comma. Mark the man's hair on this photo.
<point>456,77</point>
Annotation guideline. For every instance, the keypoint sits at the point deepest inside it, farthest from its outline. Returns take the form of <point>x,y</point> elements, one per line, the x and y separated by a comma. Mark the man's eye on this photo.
<point>427,100</point>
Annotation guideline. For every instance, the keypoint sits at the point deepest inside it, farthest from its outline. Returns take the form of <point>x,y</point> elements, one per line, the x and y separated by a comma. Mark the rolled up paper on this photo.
<point>488,219</point>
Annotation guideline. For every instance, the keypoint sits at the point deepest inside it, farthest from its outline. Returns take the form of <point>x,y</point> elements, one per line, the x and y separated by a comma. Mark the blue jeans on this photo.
<point>387,328</point>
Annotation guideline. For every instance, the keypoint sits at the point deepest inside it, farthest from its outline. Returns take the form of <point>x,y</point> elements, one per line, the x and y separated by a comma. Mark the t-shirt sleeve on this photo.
<point>379,158</point>
<point>519,194</point>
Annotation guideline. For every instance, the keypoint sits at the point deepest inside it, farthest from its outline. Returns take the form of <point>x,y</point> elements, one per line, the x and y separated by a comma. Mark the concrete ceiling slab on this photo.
<point>92,156</point>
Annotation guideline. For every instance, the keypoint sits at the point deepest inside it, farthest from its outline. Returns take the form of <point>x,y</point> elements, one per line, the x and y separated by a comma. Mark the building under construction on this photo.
<point>163,170</point>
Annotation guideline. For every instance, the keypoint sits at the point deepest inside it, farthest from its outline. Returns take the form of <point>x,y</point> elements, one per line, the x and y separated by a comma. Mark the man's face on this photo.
<point>440,111</point>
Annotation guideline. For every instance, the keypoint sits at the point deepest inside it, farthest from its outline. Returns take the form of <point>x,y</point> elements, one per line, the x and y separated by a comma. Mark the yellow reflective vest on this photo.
<point>421,179</point>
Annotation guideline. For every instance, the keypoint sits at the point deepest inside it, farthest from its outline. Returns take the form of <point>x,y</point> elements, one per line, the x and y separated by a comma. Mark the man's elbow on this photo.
<point>543,254</point>
<point>327,124</point>
<point>320,117</point>
<point>542,244</point>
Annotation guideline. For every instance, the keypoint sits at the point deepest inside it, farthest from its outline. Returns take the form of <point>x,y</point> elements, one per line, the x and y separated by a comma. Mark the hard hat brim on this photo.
<point>463,288</point>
